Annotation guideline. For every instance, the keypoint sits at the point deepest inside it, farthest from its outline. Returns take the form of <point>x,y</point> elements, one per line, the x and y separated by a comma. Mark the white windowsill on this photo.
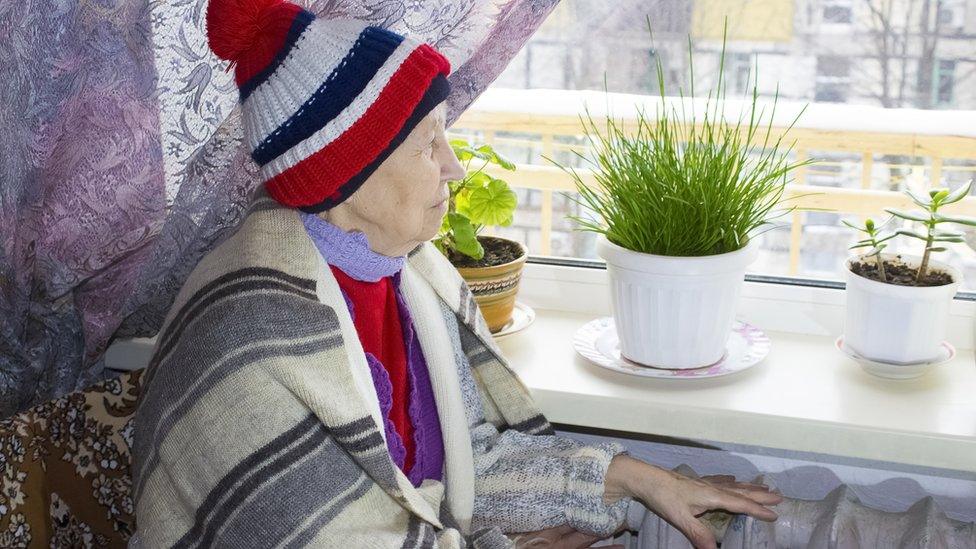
<point>804,396</point>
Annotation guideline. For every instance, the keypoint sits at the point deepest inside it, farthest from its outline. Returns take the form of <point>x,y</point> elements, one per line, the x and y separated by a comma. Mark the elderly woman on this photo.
<point>324,377</point>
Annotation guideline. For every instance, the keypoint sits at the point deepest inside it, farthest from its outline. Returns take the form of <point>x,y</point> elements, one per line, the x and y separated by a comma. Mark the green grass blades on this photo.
<point>683,186</point>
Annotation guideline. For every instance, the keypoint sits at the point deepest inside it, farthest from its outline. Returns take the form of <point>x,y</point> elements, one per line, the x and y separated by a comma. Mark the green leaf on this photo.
<point>936,249</point>
<point>494,204</point>
<point>887,235</point>
<point>445,226</point>
<point>938,195</point>
<point>922,200</point>
<point>462,203</point>
<point>869,224</point>
<point>851,225</point>
<point>455,186</point>
<point>955,239</point>
<point>942,233</point>
<point>913,234</point>
<point>958,194</point>
<point>465,151</point>
<point>961,219</point>
<point>477,180</point>
<point>861,245</point>
<point>491,155</point>
<point>914,215</point>
<point>465,239</point>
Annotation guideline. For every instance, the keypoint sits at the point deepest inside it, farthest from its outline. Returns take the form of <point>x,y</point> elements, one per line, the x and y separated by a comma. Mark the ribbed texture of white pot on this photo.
<point>897,324</point>
<point>674,312</point>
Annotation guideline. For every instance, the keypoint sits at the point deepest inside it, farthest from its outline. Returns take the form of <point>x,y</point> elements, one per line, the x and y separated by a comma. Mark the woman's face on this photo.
<point>402,203</point>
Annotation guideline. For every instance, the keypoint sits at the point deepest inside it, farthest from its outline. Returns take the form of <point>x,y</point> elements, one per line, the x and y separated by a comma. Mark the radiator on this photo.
<point>839,521</point>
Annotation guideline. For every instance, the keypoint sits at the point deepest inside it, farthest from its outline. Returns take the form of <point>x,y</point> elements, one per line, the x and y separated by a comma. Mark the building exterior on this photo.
<point>892,53</point>
<point>918,54</point>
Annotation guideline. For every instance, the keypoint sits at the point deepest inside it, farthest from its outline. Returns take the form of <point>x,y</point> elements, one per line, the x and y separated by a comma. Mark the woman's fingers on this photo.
<point>737,503</point>
<point>728,480</point>
<point>697,533</point>
<point>759,496</point>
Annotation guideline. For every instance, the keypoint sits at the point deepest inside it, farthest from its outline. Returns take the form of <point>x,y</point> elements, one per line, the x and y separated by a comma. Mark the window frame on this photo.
<point>776,303</point>
<point>842,4</point>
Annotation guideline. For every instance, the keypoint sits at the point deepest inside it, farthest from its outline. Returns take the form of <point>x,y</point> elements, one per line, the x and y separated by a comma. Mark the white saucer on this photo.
<point>897,371</point>
<point>598,342</point>
<point>522,317</point>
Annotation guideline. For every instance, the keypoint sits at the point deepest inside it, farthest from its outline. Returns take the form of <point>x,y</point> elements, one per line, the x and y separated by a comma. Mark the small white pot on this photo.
<point>674,312</point>
<point>897,324</point>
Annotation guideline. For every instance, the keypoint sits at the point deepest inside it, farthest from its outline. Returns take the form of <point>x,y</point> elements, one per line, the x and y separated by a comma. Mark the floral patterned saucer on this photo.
<point>598,342</point>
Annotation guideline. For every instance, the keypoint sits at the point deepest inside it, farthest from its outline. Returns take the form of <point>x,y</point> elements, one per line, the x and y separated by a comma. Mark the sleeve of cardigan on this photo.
<point>526,482</point>
<point>531,482</point>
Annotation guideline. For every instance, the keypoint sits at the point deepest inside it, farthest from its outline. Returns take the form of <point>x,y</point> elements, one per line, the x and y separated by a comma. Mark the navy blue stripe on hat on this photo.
<point>371,50</point>
<point>437,91</point>
<point>298,26</point>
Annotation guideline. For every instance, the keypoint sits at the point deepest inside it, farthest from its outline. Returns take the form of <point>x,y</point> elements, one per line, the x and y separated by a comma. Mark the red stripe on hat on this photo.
<point>322,174</point>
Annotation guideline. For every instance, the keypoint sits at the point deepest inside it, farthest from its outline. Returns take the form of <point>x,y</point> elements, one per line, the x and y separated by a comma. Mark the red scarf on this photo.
<point>377,320</point>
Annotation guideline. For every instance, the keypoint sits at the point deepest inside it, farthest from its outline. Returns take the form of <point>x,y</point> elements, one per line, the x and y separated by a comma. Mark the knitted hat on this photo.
<point>324,101</point>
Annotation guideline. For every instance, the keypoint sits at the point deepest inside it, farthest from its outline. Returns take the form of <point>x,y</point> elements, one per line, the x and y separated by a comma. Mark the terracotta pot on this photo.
<point>495,287</point>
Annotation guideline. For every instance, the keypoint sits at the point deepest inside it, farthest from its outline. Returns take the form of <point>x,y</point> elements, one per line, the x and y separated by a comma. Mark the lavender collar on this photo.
<point>349,251</point>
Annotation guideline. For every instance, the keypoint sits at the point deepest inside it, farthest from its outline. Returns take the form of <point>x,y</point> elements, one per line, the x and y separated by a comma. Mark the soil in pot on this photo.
<point>900,274</point>
<point>498,251</point>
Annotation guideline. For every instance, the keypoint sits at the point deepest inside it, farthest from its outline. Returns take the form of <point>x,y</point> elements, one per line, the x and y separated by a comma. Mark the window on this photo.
<point>944,81</point>
<point>873,126</point>
<point>740,73</point>
<point>950,15</point>
<point>837,11</point>
<point>833,79</point>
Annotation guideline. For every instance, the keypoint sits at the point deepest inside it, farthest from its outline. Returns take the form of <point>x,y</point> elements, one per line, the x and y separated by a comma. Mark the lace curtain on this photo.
<point>122,162</point>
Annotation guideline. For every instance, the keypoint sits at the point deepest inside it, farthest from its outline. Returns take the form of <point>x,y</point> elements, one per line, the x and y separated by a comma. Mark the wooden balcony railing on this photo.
<point>507,117</point>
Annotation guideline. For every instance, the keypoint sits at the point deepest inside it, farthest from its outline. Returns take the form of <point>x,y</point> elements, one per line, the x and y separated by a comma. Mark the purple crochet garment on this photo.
<point>350,252</point>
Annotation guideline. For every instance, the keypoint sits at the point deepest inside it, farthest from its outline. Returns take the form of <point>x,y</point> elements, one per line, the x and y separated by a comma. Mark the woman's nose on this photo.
<point>451,168</point>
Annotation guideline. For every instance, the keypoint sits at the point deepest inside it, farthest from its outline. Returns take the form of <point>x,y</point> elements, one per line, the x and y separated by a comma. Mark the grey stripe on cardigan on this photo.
<point>252,430</point>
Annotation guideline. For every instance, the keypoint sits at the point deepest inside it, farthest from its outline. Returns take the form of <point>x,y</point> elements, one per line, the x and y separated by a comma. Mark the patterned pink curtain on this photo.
<point>122,163</point>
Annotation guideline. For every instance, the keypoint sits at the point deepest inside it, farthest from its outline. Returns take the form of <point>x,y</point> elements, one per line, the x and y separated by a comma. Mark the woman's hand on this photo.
<point>679,499</point>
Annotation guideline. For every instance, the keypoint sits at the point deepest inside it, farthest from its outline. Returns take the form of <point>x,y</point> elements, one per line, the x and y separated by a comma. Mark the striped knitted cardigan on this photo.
<point>259,423</point>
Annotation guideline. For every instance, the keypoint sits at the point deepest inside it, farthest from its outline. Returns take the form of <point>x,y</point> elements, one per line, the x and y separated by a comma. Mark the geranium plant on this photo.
<point>477,201</point>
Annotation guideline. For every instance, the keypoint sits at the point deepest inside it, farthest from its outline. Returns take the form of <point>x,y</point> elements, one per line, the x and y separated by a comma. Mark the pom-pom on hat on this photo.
<point>324,101</point>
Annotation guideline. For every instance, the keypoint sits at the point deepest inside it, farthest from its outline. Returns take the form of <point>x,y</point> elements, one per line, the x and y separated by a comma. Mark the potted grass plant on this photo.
<point>679,203</point>
<point>898,305</point>
<point>491,265</point>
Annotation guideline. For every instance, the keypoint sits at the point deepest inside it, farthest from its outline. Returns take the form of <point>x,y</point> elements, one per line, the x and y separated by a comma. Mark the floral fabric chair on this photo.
<point>64,469</point>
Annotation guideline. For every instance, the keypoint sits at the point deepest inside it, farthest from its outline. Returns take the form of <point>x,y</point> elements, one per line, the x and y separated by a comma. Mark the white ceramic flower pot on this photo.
<point>897,324</point>
<point>674,312</point>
